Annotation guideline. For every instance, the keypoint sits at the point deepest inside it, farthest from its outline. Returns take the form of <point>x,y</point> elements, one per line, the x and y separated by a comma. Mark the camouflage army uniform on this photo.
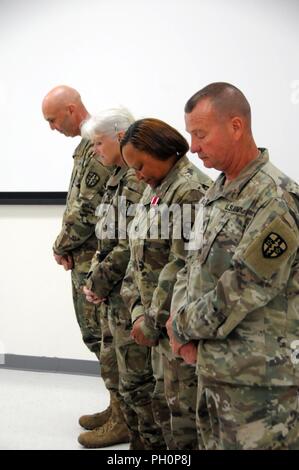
<point>239,298</point>
<point>77,237</point>
<point>155,260</point>
<point>125,366</point>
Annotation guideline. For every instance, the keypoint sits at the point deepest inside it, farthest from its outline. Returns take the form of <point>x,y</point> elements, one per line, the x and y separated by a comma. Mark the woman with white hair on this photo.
<point>125,366</point>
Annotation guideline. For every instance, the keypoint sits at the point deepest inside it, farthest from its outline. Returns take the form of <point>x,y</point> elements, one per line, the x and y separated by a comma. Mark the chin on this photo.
<point>207,163</point>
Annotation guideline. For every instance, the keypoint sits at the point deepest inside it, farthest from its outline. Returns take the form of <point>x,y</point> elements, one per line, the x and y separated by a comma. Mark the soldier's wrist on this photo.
<point>137,312</point>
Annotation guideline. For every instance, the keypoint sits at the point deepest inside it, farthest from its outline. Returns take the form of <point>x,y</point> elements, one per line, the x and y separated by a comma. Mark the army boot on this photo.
<point>96,420</point>
<point>114,431</point>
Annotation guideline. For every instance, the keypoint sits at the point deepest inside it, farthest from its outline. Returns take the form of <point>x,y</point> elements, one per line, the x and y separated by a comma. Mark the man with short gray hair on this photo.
<point>238,298</point>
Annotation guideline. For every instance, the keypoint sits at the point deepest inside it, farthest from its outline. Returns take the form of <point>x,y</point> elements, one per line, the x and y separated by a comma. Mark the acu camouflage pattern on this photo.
<point>243,308</point>
<point>240,417</point>
<point>77,237</point>
<point>87,314</point>
<point>126,366</point>
<point>147,290</point>
<point>159,402</point>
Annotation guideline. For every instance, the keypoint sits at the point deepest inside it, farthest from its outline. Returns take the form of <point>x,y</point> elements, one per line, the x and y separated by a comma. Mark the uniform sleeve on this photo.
<point>111,270</point>
<point>260,269</point>
<point>79,222</point>
<point>130,293</point>
<point>161,300</point>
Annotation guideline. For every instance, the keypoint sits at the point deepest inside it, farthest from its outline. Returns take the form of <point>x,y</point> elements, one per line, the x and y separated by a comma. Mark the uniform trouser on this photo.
<point>87,314</point>
<point>180,389</point>
<point>160,406</point>
<point>136,381</point>
<point>108,359</point>
<point>238,417</point>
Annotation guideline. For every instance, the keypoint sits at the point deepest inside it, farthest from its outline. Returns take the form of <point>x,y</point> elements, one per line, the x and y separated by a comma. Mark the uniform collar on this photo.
<point>79,150</point>
<point>232,190</point>
<point>161,190</point>
<point>117,175</point>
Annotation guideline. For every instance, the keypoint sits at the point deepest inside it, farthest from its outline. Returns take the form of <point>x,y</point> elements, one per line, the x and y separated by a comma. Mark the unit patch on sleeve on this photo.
<point>271,248</point>
<point>274,246</point>
<point>92,179</point>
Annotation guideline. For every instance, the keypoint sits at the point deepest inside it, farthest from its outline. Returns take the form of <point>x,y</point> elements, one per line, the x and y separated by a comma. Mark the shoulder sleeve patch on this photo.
<point>274,245</point>
<point>92,179</point>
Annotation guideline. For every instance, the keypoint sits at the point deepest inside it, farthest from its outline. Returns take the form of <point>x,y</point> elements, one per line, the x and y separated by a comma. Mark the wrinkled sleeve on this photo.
<point>255,278</point>
<point>111,270</point>
<point>130,293</point>
<point>79,222</point>
<point>161,300</point>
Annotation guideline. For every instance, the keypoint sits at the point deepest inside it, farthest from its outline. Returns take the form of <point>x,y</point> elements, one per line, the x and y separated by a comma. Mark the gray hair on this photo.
<point>108,122</point>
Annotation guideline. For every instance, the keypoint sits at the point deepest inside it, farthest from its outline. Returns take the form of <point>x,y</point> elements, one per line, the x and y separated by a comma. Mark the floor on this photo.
<point>40,411</point>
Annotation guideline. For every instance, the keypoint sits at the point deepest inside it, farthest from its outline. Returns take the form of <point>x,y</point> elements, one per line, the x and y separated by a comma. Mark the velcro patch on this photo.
<point>274,245</point>
<point>92,179</point>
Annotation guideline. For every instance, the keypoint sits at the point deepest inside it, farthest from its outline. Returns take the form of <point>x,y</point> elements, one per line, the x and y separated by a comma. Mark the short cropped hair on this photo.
<point>227,99</point>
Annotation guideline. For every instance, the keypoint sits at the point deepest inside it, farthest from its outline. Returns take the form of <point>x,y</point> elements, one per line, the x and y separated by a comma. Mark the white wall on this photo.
<point>150,55</point>
<point>36,311</point>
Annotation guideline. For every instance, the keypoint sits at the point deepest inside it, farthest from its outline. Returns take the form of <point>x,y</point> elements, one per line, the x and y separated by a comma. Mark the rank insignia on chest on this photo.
<point>155,200</point>
<point>92,179</point>
<point>274,246</point>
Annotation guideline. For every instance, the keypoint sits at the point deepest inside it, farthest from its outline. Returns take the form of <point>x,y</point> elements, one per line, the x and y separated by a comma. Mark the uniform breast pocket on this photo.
<point>220,241</point>
<point>212,231</point>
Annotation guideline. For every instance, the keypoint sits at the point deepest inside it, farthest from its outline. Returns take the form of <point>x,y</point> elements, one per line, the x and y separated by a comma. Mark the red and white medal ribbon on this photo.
<point>155,200</point>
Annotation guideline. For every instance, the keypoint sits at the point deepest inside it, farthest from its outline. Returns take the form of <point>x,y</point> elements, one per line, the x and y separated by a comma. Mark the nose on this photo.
<point>195,145</point>
<point>54,127</point>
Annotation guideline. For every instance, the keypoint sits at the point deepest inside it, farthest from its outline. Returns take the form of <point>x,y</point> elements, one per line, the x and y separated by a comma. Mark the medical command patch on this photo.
<point>271,249</point>
<point>274,246</point>
<point>92,179</point>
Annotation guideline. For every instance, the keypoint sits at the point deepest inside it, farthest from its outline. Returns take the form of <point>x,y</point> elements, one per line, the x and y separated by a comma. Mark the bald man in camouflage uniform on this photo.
<point>77,242</point>
<point>156,257</point>
<point>238,296</point>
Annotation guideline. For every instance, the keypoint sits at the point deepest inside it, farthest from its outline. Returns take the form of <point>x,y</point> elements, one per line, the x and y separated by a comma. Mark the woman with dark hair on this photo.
<point>158,242</point>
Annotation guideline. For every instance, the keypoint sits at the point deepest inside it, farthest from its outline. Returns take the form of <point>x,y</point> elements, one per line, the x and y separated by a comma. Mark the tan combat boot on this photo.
<point>114,431</point>
<point>96,420</point>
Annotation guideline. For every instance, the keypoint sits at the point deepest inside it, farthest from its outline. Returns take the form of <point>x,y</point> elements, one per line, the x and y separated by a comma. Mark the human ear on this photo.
<point>237,126</point>
<point>71,108</point>
<point>120,135</point>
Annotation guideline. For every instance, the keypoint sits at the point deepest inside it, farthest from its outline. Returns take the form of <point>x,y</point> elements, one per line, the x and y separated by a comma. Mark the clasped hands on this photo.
<point>92,297</point>
<point>187,351</point>
<point>138,335</point>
